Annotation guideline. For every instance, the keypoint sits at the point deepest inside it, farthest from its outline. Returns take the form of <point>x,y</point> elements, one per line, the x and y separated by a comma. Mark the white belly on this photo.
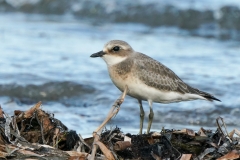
<point>141,91</point>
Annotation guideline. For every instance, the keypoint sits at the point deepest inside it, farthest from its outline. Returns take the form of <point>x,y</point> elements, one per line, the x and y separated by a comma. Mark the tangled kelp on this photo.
<point>36,134</point>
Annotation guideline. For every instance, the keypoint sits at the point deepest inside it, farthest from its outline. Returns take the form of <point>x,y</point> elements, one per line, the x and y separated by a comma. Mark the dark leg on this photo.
<point>141,116</point>
<point>151,114</point>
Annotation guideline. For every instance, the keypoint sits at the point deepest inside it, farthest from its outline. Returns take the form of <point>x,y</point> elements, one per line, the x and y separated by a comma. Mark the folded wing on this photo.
<point>155,74</point>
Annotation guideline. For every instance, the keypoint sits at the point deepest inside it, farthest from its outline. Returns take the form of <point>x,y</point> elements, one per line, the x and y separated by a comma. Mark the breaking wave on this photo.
<point>222,23</point>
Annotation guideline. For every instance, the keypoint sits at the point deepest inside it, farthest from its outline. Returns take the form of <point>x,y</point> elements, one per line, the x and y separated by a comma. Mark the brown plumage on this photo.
<point>161,77</point>
<point>146,78</point>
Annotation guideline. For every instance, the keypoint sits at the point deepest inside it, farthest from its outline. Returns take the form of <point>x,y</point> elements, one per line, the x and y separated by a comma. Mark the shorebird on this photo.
<point>146,78</point>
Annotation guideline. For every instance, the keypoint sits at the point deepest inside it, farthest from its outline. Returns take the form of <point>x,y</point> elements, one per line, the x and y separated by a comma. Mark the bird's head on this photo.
<point>114,52</point>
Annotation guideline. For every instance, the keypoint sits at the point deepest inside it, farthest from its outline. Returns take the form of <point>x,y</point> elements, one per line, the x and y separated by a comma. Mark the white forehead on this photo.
<point>122,44</point>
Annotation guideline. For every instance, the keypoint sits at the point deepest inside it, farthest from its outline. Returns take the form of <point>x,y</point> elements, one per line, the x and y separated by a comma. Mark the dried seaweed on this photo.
<point>36,134</point>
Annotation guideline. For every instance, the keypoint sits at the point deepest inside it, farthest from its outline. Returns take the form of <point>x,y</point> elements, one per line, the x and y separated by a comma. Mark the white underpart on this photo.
<point>112,60</point>
<point>144,92</point>
<point>155,95</point>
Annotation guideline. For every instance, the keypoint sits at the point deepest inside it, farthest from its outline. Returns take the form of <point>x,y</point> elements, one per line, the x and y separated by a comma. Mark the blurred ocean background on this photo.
<point>45,47</point>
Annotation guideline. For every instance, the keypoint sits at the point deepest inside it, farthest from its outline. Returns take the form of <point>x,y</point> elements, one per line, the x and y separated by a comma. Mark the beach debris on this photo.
<point>186,157</point>
<point>234,154</point>
<point>113,111</point>
<point>36,134</point>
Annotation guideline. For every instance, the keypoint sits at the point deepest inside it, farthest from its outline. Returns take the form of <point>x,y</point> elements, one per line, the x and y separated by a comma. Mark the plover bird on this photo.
<point>146,78</point>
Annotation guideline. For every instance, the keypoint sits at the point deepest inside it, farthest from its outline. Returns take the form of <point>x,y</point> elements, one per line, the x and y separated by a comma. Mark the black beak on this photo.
<point>98,54</point>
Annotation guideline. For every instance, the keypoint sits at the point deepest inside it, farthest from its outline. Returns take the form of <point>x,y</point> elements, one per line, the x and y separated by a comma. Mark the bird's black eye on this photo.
<point>116,48</point>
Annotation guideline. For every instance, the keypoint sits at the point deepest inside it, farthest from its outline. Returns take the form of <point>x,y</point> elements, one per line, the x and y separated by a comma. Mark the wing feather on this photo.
<point>155,74</point>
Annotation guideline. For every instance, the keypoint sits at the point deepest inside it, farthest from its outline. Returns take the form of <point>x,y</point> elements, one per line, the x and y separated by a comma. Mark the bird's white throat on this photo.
<point>112,60</point>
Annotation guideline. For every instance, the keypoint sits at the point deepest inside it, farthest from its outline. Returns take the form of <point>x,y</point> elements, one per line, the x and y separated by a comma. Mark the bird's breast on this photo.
<point>121,80</point>
<point>119,77</point>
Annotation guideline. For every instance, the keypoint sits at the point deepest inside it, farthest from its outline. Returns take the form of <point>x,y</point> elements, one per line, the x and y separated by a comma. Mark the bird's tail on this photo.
<point>203,94</point>
<point>208,96</point>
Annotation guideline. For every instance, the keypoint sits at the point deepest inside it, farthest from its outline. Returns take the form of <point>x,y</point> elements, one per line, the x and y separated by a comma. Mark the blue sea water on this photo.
<point>47,58</point>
